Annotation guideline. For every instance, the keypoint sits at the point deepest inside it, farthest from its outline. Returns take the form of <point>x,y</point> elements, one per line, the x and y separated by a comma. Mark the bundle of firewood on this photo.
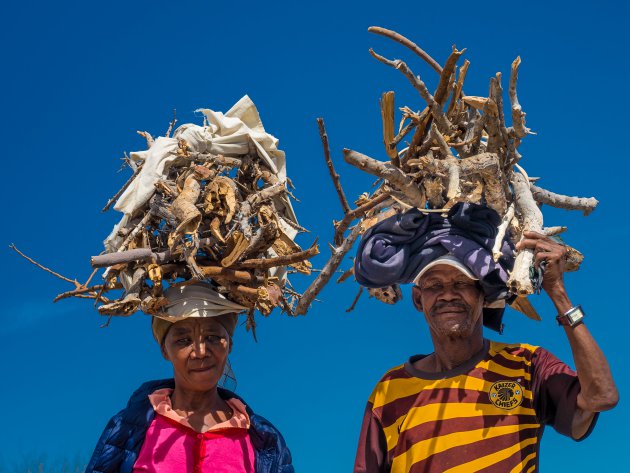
<point>212,203</point>
<point>458,148</point>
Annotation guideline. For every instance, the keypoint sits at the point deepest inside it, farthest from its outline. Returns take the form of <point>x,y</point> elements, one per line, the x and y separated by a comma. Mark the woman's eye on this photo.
<point>214,339</point>
<point>182,342</point>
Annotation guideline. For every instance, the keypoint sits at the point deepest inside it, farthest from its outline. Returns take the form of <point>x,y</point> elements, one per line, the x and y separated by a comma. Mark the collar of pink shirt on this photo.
<point>161,402</point>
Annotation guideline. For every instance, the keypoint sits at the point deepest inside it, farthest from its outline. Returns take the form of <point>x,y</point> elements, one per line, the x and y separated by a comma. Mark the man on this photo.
<point>474,404</point>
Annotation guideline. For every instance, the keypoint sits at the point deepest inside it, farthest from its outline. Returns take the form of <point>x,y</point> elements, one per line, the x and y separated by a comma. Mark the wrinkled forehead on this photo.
<point>444,272</point>
<point>203,324</point>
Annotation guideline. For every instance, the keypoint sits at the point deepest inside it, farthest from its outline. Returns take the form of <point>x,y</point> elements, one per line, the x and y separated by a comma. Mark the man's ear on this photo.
<point>416,297</point>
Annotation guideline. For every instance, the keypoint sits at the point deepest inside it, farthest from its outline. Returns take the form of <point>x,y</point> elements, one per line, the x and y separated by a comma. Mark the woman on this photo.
<point>188,423</point>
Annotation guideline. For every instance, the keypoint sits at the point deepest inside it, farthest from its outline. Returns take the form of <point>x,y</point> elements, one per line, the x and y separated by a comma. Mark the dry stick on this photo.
<point>147,136</point>
<point>172,124</point>
<point>451,163</point>
<point>387,116</point>
<point>324,276</point>
<point>586,204</point>
<point>458,88</point>
<point>346,274</point>
<point>531,220</point>
<point>518,116</point>
<point>227,273</point>
<point>123,188</point>
<point>392,174</point>
<point>407,43</point>
<point>441,92</point>
<point>83,290</point>
<point>416,82</point>
<point>347,219</point>
<point>498,241</point>
<point>551,231</point>
<point>331,168</point>
<point>267,263</point>
<point>356,299</point>
<point>75,282</point>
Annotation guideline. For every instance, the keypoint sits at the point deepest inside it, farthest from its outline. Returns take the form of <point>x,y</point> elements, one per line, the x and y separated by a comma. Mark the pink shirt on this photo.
<point>172,445</point>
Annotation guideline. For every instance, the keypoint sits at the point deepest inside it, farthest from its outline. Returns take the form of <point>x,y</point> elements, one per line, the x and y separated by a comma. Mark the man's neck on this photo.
<point>451,352</point>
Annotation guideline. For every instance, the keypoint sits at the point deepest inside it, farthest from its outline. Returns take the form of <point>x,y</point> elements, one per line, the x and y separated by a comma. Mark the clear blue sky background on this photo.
<point>79,78</point>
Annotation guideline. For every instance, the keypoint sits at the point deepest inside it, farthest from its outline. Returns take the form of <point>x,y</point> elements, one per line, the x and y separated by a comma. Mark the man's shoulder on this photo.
<point>523,351</point>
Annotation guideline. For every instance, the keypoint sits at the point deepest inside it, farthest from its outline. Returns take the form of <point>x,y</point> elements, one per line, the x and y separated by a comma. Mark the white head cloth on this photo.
<point>196,300</point>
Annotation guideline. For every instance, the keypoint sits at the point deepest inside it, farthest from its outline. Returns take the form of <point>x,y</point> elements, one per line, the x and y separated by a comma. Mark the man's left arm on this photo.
<point>597,387</point>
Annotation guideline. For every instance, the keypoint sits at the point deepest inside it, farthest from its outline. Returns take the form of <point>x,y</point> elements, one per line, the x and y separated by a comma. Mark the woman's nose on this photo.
<point>199,348</point>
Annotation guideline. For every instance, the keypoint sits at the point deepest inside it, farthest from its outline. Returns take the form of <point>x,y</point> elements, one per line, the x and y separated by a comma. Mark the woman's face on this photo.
<point>198,348</point>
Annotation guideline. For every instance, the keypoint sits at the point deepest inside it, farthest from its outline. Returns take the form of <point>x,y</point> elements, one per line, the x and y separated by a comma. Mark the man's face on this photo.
<point>198,349</point>
<point>452,303</point>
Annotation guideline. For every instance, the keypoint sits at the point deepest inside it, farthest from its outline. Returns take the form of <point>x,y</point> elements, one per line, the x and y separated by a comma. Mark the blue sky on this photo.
<point>79,78</point>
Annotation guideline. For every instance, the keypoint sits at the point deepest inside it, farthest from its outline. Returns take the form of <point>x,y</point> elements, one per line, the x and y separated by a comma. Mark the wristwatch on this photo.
<point>572,317</point>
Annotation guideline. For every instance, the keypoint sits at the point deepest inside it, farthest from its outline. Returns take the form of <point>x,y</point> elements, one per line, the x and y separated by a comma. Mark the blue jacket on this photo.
<point>119,446</point>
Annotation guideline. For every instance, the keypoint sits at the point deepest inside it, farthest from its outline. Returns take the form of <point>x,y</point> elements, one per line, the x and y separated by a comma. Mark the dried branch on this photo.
<point>392,174</point>
<point>441,92</point>
<point>360,211</point>
<point>83,290</point>
<point>356,299</point>
<point>123,188</point>
<point>331,168</point>
<point>585,204</point>
<point>147,136</point>
<point>172,124</point>
<point>407,43</point>
<point>552,231</point>
<point>267,263</point>
<point>387,117</point>
<point>498,241</point>
<point>30,260</point>
<point>329,269</point>
<point>416,82</point>
<point>518,116</point>
<point>531,221</point>
<point>452,107</point>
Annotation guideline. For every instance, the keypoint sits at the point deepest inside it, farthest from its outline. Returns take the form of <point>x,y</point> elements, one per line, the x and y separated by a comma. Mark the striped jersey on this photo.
<point>486,415</point>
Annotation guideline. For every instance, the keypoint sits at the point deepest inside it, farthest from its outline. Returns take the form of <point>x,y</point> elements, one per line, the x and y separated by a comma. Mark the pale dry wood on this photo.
<point>359,212</point>
<point>416,82</point>
<point>326,273</point>
<point>331,168</point>
<point>585,204</point>
<point>387,171</point>
<point>48,270</point>
<point>407,43</point>
<point>498,241</point>
<point>123,188</point>
<point>441,92</point>
<point>531,220</point>
<point>288,260</point>
<point>459,85</point>
<point>147,136</point>
<point>552,231</point>
<point>387,117</point>
<point>356,299</point>
<point>518,116</point>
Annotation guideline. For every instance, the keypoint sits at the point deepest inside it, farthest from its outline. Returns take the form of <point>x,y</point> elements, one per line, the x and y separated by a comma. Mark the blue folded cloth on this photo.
<point>396,249</point>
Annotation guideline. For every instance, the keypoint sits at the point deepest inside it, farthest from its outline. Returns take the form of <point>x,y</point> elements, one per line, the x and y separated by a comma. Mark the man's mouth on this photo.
<point>450,309</point>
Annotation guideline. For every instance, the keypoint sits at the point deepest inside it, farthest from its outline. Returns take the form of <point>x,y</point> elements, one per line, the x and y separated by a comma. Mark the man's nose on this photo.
<point>449,293</point>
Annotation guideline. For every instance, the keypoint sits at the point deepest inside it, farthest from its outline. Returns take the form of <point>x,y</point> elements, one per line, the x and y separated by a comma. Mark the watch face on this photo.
<point>575,316</point>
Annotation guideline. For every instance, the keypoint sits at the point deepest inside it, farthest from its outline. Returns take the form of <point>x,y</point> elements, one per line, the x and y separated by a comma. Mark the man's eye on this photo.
<point>433,286</point>
<point>462,284</point>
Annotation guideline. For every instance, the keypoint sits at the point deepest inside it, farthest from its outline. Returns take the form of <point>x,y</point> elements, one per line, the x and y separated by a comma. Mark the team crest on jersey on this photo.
<point>506,394</point>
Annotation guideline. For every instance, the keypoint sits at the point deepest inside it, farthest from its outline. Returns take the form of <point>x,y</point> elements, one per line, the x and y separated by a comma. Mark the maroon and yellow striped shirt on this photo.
<point>486,415</point>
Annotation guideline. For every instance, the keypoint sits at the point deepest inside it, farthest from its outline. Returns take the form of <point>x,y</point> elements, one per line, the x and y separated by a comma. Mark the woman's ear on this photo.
<point>163,350</point>
<point>416,297</point>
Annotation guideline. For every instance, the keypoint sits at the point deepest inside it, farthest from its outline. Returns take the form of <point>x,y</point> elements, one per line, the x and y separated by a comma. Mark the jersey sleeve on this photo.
<point>372,450</point>
<point>555,388</point>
